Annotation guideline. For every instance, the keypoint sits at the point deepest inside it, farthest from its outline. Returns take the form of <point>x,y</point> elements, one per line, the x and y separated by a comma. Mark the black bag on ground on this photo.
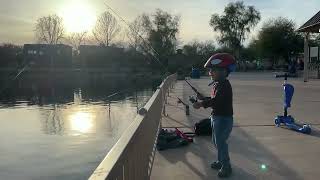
<point>169,139</point>
<point>203,127</point>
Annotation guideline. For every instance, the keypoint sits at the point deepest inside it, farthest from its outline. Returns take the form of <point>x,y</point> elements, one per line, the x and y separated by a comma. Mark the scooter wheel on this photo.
<point>307,129</point>
<point>277,122</point>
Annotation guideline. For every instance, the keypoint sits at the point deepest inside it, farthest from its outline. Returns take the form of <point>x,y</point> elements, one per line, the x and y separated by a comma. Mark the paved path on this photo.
<point>254,140</point>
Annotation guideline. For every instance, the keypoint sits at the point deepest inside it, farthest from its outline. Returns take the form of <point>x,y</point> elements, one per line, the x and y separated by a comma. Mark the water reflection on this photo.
<point>52,123</point>
<point>81,121</point>
<point>58,123</point>
<point>83,117</point>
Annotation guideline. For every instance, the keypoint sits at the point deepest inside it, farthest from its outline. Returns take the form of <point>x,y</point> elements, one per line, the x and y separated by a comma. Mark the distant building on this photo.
<point>47,55</point>
<point>311,26</point>
<point>100,56</point>
<point>314,55</point>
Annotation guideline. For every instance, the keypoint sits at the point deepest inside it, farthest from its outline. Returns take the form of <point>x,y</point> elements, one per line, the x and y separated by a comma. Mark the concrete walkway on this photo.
<point>254,141</point>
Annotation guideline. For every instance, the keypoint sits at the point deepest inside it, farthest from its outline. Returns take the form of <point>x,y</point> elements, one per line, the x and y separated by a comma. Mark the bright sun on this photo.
<point>78,16</point>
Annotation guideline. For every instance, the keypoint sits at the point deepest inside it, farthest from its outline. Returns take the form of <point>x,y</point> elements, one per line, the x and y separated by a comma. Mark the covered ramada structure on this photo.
<point>311,26</point>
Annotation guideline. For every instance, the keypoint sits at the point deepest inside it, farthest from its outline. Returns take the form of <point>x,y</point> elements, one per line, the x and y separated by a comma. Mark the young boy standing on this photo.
<point>220,65</point>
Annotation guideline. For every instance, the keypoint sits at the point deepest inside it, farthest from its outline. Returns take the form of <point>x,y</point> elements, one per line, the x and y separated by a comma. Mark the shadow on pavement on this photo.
<point>247,157</point>
<point>252,156</point>
<point>196,159</point>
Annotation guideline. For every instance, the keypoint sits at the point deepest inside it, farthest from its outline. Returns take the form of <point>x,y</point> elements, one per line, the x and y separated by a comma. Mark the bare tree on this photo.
<point>49,29</point>
<point>77,39</point>
<point>106,29</point>
<point>137,32</point>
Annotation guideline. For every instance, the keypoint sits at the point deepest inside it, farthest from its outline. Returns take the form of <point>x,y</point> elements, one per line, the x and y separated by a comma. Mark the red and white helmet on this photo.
<point>223,60</point>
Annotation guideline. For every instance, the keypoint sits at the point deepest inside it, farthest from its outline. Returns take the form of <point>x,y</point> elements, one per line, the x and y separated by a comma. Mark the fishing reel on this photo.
<point>193,99</point>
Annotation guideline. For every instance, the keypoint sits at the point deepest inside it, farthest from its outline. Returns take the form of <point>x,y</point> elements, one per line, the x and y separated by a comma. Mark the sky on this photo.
<point>18,17</point>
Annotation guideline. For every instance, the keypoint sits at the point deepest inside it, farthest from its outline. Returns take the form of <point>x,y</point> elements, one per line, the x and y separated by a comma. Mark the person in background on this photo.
<point>301,65</point>
<point>293,67</point>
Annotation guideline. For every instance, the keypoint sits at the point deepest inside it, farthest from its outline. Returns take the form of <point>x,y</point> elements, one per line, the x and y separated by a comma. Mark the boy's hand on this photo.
<point>197,105</point>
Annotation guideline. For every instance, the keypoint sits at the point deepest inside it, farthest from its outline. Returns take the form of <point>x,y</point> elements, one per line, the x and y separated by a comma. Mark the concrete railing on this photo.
<point>131,158</point>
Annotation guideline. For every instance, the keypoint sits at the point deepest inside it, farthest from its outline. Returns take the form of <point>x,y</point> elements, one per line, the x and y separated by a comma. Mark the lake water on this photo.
<point>62,133</point>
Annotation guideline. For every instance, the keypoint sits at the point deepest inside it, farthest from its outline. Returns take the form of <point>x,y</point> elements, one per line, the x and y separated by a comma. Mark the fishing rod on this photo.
<point>186,106</point>
<point>180,101</point>
<point>199,96</point>
<point>193,88</point>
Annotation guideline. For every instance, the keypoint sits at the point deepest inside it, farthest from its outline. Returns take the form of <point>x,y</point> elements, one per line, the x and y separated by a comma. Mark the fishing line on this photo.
<point>13,79</point>
<point>147,46</point>
<point>136,33</point>
<point>119,92</point>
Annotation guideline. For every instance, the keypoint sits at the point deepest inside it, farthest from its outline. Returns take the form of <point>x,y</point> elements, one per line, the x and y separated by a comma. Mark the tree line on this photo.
<point>156,36</point>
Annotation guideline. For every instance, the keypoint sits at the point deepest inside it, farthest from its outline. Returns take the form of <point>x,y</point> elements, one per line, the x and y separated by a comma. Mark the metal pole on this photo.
<point>164,103</point>
<point>136,97</point>
<point>306,58</point>
<point>109,110</point>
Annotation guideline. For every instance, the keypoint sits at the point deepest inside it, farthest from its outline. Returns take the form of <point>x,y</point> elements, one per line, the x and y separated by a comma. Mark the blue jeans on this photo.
<point>222,127</point>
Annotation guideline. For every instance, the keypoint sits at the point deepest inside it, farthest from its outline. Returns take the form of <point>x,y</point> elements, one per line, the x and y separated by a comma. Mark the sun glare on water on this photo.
<point>78,16</point>
<point>81,121</point>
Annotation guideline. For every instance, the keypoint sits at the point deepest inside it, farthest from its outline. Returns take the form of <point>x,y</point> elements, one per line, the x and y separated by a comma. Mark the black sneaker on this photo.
<point>216,165</point>
<point>225,171</point>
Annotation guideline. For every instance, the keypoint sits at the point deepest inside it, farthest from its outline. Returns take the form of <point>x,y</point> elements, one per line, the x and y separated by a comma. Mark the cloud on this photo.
<point>15,29</point>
